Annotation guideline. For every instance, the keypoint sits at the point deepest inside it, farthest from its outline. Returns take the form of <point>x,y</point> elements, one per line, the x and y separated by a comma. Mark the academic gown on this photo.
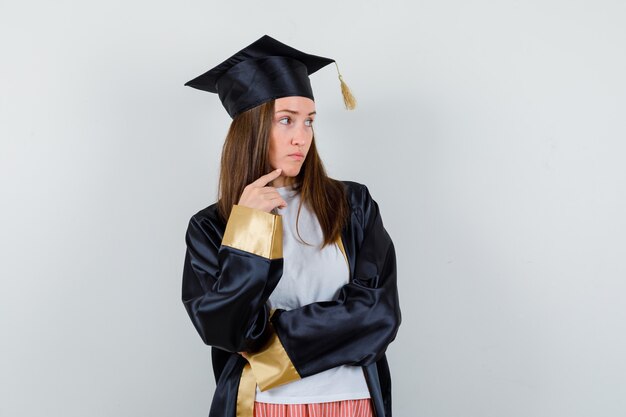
<point>229,273</point>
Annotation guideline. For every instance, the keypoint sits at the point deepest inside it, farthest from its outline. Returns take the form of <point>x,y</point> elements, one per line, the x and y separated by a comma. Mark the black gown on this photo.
<point>229,273</point>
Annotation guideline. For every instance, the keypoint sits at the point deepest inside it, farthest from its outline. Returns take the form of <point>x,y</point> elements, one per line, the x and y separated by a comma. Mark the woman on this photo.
<point>290,276</point>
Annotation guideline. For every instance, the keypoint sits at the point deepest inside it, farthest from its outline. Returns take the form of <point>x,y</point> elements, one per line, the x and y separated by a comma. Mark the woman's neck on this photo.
<point>283,182</point>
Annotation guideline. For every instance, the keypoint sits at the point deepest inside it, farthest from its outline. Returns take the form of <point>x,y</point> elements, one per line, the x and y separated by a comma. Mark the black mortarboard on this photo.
<point>264,70</point>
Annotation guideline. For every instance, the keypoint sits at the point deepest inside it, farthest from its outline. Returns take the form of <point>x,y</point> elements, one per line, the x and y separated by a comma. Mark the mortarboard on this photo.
<point>264,70</point>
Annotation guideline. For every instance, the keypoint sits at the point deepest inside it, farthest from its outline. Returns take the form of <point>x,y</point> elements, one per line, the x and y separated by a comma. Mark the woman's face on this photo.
<point>290,136</point>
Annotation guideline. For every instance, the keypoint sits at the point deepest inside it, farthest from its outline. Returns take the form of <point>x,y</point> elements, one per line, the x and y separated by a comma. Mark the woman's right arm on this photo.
<point>228,279</point>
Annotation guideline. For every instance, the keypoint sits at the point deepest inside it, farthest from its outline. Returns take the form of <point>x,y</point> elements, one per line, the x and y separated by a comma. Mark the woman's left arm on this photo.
<point>355,329</point>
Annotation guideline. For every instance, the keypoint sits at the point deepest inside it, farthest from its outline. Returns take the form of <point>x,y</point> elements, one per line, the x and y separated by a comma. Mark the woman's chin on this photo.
<point>290,172</point>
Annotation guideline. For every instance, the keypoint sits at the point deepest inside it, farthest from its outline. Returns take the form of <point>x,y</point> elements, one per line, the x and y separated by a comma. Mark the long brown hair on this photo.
<point>245,158</point>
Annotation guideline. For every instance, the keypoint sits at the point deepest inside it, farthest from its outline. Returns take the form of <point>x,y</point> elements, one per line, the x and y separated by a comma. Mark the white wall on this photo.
<point>491,134</point>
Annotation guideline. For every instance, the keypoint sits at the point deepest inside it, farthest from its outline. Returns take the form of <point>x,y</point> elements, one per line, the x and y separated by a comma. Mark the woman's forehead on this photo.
<point>295,104</point>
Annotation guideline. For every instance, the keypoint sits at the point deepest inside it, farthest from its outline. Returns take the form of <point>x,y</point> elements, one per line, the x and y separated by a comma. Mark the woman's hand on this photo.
<point>258,195</point>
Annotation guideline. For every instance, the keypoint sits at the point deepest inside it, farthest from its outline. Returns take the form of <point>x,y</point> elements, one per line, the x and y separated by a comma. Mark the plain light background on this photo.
<point>491,133</point>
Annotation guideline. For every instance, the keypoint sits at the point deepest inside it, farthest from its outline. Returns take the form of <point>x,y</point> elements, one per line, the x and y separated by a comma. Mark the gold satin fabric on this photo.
<point>343,250</point>
<point>268,368</point>
<point>271,366</point>
<point>246,393</point>
<point>254,231</point>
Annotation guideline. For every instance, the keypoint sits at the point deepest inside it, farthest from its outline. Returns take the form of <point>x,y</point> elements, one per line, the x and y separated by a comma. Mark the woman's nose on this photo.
<point>300,137</point>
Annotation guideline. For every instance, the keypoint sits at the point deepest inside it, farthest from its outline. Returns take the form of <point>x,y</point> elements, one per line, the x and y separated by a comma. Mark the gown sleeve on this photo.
<point>354,329</point>
<point>228,277</point>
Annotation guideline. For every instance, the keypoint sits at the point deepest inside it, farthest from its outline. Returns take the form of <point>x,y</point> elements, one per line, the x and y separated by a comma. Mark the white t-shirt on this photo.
<point>311,275</point>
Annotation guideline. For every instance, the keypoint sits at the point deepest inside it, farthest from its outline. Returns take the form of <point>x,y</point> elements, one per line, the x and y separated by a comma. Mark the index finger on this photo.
<point>264,179</point>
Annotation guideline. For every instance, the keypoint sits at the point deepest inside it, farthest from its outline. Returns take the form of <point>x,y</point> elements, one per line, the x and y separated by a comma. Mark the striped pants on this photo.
<point>345,408</point>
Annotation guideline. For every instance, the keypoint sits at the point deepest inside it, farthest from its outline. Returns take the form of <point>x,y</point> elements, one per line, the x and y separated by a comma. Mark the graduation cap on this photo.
<point>264,70</point>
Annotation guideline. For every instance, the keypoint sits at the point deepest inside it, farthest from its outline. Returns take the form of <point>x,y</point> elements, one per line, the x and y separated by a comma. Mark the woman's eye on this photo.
<point>287,120</point>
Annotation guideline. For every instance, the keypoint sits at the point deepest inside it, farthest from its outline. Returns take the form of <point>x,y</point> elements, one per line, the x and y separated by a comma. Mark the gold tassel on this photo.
<point>348,99</point>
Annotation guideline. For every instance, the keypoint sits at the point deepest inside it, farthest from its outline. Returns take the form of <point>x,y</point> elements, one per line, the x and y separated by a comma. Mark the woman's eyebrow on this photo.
<point>295,112</point>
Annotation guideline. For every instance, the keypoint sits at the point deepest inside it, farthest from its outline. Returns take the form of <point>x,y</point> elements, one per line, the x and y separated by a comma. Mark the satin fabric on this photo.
<point>272,367</point>
<point>255,81</point>
<point>255,231</point>
<point>225,291</point>
<point>264,70</point>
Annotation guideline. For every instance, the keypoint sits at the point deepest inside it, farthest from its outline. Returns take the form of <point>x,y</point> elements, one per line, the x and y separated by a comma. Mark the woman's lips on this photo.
<point>297,156</point>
